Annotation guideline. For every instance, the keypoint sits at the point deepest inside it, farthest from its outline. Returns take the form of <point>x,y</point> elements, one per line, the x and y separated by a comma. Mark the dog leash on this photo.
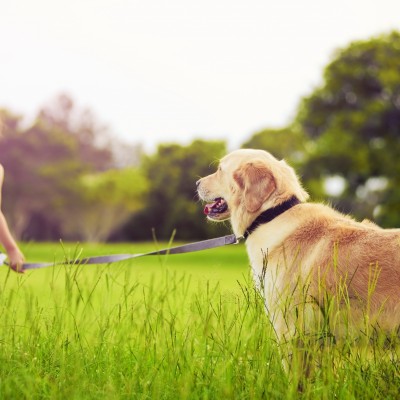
<point>108,259</point>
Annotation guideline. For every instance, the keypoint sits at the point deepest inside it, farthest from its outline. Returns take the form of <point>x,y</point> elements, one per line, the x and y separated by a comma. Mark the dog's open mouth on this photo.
<point>217,210</point>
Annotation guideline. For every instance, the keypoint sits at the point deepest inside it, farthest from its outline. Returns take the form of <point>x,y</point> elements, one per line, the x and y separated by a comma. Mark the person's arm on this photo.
<point>15,256</point>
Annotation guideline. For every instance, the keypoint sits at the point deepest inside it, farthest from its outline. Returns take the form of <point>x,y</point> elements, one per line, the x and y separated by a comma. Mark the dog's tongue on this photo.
<point>208,207</point>
<point>213,207</point>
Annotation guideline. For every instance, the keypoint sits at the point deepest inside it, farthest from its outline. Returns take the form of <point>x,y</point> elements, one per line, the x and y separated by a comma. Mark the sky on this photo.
<point>173,71</point>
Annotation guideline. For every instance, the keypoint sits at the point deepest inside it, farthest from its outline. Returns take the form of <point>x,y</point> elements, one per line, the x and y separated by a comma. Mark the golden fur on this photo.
<point>311,260</point>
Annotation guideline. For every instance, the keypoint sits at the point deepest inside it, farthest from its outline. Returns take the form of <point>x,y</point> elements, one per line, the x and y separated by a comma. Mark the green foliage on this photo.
<point>171,201</point>
<point>116,187</point>
<point>353,120</point>
<point>46,194</point>
<point>42,169</point>
<point>286,143</point>
<point>108,199</point>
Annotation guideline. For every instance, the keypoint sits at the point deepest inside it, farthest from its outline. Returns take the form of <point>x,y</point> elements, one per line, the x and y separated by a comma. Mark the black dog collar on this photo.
<point>270,214</point>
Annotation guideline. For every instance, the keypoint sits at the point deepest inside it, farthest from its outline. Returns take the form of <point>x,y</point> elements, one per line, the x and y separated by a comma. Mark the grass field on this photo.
<point>175,327</point>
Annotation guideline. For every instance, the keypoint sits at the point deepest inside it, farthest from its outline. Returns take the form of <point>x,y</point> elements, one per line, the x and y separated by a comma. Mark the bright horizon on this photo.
<point>175,71</point>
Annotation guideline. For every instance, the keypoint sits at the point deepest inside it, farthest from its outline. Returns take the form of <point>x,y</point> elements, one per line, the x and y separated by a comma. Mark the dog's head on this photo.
<point>247,183</point>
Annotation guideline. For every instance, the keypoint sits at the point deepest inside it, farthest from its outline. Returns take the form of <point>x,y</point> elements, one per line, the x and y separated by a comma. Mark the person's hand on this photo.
<point>16,260</point>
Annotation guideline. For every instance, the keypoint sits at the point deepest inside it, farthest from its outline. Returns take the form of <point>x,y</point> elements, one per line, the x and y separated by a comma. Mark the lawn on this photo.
<point>174,327</point>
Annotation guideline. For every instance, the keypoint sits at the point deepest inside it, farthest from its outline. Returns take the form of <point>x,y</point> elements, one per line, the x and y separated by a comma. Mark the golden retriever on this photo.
<point>313,265</point>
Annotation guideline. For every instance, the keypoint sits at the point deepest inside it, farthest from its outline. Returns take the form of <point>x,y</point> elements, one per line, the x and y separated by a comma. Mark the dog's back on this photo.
<point>357,263</point>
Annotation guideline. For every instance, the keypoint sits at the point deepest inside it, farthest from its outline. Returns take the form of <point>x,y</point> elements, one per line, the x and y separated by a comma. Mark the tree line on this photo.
<point>68,178</point>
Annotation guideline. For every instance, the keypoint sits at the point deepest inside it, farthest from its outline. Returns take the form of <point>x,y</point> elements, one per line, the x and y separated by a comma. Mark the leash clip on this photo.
<point>239,239</point>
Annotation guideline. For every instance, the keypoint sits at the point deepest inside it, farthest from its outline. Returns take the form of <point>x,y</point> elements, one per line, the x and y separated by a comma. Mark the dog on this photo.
<point>313,265</point>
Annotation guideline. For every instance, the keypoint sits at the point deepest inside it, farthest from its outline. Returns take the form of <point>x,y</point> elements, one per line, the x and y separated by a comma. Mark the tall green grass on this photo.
<point>178,327</point>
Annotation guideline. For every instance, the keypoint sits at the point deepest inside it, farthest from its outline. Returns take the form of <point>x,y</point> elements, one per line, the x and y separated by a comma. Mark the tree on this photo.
<point>41,171</point>
<point>109,199</point>
<point>285,143</point>
<point>93,137</point>
<point>171,203</point>
<point>55,184</point>
<point>354,122</point>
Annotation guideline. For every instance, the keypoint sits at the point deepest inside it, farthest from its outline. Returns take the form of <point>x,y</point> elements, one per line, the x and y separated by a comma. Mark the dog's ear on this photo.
<point>257,183</point>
